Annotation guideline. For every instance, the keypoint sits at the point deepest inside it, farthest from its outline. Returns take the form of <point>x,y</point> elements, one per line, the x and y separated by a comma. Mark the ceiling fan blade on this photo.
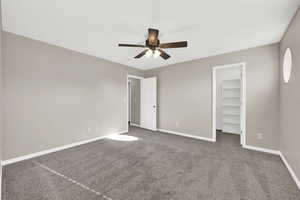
<point>164,55</point>
<point>141,54</point>
<point>132,45</point>
<point>173,45</point>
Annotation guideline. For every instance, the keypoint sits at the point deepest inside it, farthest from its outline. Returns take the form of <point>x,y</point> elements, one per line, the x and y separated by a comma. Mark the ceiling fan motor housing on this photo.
<point>152,44</point>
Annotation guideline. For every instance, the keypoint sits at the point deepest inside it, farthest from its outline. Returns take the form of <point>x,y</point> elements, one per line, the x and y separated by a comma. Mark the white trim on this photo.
<point>214,106</point>
<point>293,174</point>
<point>133,76</point>
<point>127,93</point>
<point>244,103</point>
<point>129,99</point>
<point>214,100</point>
<point>186,135</point>
<point>271,151</point>
<point>33,155</point>
<point>137,125</point>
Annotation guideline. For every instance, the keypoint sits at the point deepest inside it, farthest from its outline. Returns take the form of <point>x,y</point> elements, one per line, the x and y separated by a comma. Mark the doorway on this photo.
<point>134,101</point>
<point>229,101</point>
<point>142,102</point>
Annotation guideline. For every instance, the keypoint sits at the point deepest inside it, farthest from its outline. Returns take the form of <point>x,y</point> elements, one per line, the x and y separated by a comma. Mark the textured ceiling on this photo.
<point>95,27</point>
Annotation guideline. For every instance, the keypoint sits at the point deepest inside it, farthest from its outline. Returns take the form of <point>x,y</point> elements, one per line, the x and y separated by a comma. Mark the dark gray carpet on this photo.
<point>157,166</point>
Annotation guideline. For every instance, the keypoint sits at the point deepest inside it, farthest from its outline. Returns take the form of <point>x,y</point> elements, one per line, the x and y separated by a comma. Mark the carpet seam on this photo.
<point>71,180</point>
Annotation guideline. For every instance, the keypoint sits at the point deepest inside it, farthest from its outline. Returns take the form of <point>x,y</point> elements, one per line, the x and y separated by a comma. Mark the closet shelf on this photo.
<point>232,130</point>
<point>233,126</point>
<point>234,114</point>
<point>231,122</point>
<point>232,97</point>
<point>231,88</point>
<point>231,91</point>
<point>231,105</point>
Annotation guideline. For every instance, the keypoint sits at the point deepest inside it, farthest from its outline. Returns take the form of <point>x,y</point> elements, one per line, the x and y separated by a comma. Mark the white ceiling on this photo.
<point>95,27</point>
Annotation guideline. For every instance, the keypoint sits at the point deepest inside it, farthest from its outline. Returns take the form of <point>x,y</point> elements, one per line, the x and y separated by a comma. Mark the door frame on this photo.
<point>243,106</point>
<point>129,100</point>
<point>127,103</point>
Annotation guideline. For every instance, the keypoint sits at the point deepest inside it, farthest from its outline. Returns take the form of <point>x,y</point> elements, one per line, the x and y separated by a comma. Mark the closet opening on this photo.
<point>229,102</point>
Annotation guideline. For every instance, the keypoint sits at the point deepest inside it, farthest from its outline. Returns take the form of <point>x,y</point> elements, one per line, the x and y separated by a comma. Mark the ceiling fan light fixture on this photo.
<point>156,53</point>
<point>149,53</point>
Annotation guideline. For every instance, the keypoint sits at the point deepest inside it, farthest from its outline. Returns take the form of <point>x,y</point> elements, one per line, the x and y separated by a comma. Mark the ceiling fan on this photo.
<point>154,47</point>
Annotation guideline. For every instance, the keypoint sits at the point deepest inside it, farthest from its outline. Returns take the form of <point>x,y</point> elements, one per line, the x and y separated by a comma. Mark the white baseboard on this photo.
<point>33,155</point>
<point>293,174</point>
<point>186,135</point>
<point>137,125</point>
<point>271,151</point>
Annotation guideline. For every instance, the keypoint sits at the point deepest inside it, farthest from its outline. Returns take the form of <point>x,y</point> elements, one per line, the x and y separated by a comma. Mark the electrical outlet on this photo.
<point>89,130</point>
<point>177,124</point>
<point>259,136</point>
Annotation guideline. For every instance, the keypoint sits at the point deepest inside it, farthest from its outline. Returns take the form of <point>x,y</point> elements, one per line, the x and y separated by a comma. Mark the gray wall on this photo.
<point>55,96</point>
<point>135,101</point>
<point>185,94</point>
<point>290,98</point>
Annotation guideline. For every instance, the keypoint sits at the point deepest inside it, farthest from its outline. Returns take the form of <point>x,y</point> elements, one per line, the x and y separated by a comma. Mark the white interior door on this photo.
<point>148,103</point>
